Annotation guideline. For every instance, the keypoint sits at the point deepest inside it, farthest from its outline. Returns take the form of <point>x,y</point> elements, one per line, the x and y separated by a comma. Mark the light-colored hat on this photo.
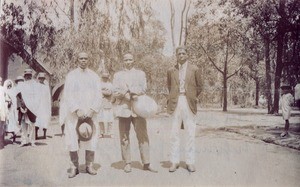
<point>145,106</point>
<point>285,86</point>
<point>19,78</point>
<point>85,129</point>
<point>41,75</point>
<point>28,72</point>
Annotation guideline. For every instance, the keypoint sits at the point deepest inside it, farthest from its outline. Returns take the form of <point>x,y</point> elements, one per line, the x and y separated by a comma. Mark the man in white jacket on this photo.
<point>81,100</point>
<point>30,103</point>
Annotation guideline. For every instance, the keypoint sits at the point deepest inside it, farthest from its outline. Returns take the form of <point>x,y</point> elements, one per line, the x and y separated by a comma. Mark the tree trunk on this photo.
<point>268,73</point>
<point>72,15</point>
<point>224,93</point>
<point>4,67</point>
<point>181,25</point>
<point>256,91</point>
<point>279,52</point>
<point>172,22</point>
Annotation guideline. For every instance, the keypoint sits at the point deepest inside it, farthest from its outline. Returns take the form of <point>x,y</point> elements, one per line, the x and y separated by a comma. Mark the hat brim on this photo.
<point>89,136</point>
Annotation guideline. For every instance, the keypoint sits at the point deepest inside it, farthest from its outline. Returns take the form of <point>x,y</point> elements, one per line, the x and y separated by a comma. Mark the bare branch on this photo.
<point>211,60</point>
<point>236,71</point>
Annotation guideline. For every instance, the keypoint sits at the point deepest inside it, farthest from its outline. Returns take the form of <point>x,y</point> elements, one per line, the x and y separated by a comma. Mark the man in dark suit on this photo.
<point>184,85</point>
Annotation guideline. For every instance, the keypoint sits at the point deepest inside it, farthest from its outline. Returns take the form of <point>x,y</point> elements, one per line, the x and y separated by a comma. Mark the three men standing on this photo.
<point>128,85</point>
<point>81,102</point>
<point>184,85</point>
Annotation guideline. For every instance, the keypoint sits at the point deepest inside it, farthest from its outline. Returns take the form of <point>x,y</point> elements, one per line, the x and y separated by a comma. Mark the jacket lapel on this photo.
<point>176,74</point>
<point>188,74</point>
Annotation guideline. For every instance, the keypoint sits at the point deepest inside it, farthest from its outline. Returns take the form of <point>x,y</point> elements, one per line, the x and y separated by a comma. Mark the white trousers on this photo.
<point>28,131</point>
<point>183,114</point>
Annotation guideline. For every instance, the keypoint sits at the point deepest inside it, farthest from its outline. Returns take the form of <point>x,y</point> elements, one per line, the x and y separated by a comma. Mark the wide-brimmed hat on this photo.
<point>41,75</point>
<point>145,106</point>
<point>28,72</point>
<point>285,86</point>
<point>19,78</point>
<point>85,129</point>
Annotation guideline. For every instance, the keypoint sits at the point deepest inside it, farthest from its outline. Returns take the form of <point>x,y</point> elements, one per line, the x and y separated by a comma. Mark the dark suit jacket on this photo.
<point>193,87</point>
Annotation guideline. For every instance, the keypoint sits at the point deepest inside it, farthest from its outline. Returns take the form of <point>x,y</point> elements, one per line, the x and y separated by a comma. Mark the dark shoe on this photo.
<point>90,170</point>
<point>73,172</point>
<point>191,168</point>
<point>284,134</point>
<point>173,167</point>
<point>149,168</point>
<point>127,168</point>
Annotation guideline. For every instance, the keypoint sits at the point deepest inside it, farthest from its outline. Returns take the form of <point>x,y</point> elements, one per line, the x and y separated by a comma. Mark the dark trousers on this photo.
<point>140,127</point>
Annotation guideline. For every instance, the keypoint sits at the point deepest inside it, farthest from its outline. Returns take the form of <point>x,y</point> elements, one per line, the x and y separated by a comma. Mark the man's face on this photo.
<point>9,85</point>
<point>41,80</point>
<point>83,60</point>
<point>181,56</point>
<point>128,61</point>
<point>27,77</point>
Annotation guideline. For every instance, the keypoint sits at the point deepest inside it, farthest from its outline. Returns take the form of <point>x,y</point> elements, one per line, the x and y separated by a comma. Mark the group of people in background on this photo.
<point>25,107</point>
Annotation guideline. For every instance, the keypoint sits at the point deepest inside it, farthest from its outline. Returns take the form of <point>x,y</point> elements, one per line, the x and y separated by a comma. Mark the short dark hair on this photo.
<point>181,47</point>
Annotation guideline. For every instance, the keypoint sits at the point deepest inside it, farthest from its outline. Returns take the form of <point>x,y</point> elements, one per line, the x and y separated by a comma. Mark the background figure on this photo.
<point>12,119</point>
<point>297,95</point>
<point>3,113</point>
<point>184,85</point>
<point>30,105</point>
<point>106,117</point>
<point>19,81</point>
<point>128,85</point>
<point>80,101</point>
<point>286,101</point>
<point>44,113</point>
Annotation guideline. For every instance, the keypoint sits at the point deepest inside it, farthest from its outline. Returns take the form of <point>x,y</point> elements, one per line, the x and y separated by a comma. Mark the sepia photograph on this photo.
<point>150,93</point>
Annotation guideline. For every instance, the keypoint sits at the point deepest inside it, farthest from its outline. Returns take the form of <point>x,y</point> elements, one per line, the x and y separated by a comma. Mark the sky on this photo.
<point>163,13</point>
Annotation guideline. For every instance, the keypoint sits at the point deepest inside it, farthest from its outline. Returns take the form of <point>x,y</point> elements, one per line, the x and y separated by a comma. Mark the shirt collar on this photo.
<point>183,65</point>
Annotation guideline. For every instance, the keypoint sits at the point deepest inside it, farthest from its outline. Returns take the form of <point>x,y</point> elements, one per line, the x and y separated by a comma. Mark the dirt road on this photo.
<point>223,158</point>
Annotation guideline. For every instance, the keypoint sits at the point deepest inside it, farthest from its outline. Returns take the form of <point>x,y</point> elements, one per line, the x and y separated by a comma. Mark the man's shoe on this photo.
<point>127,168</point>
<point>33,145</point>
<point>73,172</point>
<point>90,170</point>
<point>149,168</point>
<point>173,167</point>
<point>284,134</point>
<point>191,168</point>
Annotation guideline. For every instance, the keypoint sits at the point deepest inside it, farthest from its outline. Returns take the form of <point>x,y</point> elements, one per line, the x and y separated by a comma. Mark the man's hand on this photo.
<point>79,113</point>
<point>90,113</point>
<point>134,97</point>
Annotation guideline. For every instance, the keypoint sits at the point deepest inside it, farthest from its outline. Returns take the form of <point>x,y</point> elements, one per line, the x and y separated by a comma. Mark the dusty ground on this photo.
<point>229,152</point>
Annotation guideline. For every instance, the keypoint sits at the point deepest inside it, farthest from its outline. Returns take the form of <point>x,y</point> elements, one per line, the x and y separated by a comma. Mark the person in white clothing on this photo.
<point>44,113</point>
<point>81,101</point>
<point>106,117</point>
<point>297,94</point>
<point>30,104</point>
<point>12,120</point>
<point>3,114</point>
<point>286,101</point>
